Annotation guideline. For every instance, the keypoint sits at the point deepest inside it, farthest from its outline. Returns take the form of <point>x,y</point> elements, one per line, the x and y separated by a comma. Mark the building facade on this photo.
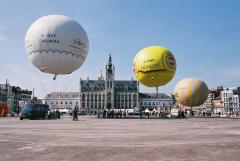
<point>108,93</point>
<point>221,100</point>
<point>230,98</point>
<point>152,101</point>
<point>62,101</point>
<point>13,95</point>
<point>214,102</point>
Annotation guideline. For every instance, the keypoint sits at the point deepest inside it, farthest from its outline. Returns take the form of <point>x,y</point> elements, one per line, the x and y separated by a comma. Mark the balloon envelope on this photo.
<point>56,44</point>
<point>191,92</point>
<point>154,66</point>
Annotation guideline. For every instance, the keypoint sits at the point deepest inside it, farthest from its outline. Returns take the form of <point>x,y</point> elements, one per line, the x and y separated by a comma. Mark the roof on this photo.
<point>125,85</point>
<point>63,95</point>
<point>92,85</point>
<point>154,95</point>
<point>99,85</point>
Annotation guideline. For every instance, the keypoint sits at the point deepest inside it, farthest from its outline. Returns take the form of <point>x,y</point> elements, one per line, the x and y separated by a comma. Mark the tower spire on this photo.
<point>110,59</point>
<point>109,65</point>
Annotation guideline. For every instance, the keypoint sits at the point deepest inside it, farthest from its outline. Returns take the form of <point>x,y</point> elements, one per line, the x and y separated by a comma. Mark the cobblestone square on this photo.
<point>200,139</point>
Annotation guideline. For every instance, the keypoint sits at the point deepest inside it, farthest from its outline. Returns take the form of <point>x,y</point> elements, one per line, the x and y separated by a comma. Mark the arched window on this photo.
<point>134,97</point>
<point>103,98</point>
<point>91,97</point>
<point>88,97</point>
<point>95,97</point>
<point>83,96</point>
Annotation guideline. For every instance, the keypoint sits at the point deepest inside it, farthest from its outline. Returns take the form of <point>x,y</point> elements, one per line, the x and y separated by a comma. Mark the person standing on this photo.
<point>75,113</point>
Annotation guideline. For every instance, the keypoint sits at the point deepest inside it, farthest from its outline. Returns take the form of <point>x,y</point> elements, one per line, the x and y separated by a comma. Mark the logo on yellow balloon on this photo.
<point>170,61</point>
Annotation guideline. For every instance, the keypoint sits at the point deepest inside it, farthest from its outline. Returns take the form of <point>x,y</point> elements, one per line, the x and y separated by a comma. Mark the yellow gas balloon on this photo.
<point>191,92</point>
<point>154,66</point>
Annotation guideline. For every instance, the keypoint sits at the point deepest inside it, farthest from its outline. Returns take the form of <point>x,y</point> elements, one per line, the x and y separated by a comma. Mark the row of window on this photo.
<point>100,96</point>
<point>231,99</point>
<point>109,99</point>
<point>61,103</point>
<point>91,105</point>
<point>154,103</point>
<point>231,105</point>
<point>66,95</point>
<point>116,105</point>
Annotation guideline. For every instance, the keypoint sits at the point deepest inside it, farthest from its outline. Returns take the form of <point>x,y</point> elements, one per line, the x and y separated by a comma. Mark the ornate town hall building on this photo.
<point>108,93</point>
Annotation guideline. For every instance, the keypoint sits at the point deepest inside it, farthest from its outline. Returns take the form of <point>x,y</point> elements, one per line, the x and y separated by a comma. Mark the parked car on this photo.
<point>34,111</point>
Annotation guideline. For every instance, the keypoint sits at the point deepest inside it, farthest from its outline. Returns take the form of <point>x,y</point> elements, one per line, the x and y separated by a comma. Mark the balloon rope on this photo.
<point>158,99</point>
<point>53,93</point>
<point>53,87</point>
<point>40,83</point>
<point>69,82</point>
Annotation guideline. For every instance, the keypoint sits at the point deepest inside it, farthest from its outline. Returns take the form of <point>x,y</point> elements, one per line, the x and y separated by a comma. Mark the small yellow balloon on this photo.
<point>154,66</point>
<point>191,92</point>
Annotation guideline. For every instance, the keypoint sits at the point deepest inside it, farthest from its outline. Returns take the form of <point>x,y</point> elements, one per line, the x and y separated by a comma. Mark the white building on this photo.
<point>150,101</point>
<point>62,101</point>
<point>230,98</point>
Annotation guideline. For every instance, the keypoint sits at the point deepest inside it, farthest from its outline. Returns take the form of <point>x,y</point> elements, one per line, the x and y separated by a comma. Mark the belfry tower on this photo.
<point>109,84</point>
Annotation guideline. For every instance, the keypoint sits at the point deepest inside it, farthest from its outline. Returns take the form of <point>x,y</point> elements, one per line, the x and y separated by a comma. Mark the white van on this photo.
<point>174,113</point>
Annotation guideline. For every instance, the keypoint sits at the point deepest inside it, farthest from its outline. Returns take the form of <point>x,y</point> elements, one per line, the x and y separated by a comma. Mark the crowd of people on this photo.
<point>235,114</point>
<point>142,113</point>
<point>53,114</point>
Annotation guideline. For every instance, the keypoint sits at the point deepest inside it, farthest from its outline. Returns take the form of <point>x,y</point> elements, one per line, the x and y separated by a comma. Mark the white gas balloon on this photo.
<point>56,44</point>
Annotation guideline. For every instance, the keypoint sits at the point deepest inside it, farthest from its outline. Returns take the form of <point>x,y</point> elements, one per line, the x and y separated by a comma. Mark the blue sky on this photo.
<point>203,35</point>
